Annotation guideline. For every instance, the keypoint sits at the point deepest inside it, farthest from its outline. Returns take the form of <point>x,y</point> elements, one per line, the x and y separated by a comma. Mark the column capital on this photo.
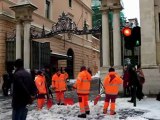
<point>23,11</point>
<point>104,9</point>
<point>117,7</point>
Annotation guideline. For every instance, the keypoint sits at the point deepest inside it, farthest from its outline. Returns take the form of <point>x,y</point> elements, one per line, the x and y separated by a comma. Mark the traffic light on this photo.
<point>128,41</point>
<point>136,36</point>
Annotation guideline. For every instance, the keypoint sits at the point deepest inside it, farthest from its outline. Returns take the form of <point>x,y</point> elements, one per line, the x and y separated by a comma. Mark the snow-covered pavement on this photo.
<point>146,109</point>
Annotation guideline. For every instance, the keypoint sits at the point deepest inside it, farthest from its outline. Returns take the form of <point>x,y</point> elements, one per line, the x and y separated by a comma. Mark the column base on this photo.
<point>152,81</point>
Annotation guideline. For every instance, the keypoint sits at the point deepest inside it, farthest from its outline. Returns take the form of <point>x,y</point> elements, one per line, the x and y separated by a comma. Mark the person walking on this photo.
<point>23,91</point>
<point>125,77</point>
<point>40,82</point>
<point>82,86</point>
<point>59,85</point>
<point>141,79</point>
<point>47,74</point>
<point>134,83</point>
<point>111,85</point>
<point>6,84</point>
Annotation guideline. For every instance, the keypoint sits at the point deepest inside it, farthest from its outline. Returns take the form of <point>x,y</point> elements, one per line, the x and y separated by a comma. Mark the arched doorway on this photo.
<point>70,63</point>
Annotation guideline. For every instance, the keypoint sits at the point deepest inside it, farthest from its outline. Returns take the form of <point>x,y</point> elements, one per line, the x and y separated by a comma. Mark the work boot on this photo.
<point>82,116</point>
<point>130,101</point>
<point>104,111</point>
<point>112,113</point>
<point>62,104</point>
<point>87,112</point>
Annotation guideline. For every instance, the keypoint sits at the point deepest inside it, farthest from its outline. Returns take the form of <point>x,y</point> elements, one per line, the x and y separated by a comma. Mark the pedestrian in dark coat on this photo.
<point>126,78</point>
<point>141,79</point>
<point>47,74</point>
<point>134,82</point>
<point>23,91</point>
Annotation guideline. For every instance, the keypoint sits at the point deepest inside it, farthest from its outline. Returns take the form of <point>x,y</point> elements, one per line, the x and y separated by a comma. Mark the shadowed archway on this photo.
<point>70,63</point>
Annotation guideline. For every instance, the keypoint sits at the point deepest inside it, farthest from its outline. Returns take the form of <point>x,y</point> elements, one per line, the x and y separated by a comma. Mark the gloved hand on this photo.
<point>73,88</point>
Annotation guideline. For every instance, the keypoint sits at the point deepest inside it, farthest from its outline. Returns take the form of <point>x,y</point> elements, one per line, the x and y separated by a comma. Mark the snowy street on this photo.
<point>146,109</point>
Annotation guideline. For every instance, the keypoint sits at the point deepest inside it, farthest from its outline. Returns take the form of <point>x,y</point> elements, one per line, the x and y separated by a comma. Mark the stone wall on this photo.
<point>83,54</point>
<point>5,27</point>
<point>152,80</point>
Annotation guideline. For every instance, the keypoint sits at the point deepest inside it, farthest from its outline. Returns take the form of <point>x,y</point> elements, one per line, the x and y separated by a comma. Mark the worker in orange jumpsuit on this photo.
<point>59,85</point>
<point>111,85</point>
<point>82,86</point>
<point>41,87</point>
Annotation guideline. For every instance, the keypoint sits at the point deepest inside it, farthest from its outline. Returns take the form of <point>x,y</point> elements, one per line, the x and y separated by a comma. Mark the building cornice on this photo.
<point>85,6</point>
<point>7,1</point>
<point>7,17</point>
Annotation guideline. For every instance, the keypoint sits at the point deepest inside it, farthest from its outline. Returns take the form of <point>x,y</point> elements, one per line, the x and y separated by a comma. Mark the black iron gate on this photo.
<point>40,53</point>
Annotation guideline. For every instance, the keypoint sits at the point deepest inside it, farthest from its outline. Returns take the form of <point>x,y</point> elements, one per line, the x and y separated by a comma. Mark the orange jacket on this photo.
<point>111,83</point>
<point>40,84</point>
<point>58,82</point>
<point>83,83</point>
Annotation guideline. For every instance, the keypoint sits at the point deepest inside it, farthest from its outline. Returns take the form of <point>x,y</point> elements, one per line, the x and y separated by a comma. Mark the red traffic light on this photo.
<point>127,31</point>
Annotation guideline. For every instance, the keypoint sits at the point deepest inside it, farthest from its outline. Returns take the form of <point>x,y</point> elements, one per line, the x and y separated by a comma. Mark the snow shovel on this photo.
<point>68,101</point>
<point>99,95</point>
<point>49,103</point>
<point>97,98</point>
<point>49,100</point>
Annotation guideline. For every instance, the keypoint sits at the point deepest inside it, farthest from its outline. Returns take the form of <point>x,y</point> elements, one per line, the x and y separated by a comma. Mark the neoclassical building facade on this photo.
<point>150,47</point>
<point>66,50</point>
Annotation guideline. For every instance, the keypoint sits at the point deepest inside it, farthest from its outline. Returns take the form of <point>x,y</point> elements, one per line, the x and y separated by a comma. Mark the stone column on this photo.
<point>18,40</point>
<point>27,44</point>
<point>23,11</point>
<point>116,38</point>
<point>105,39</point>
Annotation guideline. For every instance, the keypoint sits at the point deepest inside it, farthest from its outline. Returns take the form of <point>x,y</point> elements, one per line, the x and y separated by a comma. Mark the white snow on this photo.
<point>150,106</point>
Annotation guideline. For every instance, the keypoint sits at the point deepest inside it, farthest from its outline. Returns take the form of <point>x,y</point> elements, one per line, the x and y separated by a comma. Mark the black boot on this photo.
<point>87,112</point>
<point>62,104</point>
<point>82,116</point>
<point>112,113</point>
<point>130,101</point>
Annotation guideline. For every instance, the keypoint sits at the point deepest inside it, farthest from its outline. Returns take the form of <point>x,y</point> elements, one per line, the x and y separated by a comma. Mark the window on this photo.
<point>48,9</point>
<point>70,3</point>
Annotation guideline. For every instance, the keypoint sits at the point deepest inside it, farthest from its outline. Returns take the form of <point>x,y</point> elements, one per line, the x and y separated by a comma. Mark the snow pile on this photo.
<point>124,109</point>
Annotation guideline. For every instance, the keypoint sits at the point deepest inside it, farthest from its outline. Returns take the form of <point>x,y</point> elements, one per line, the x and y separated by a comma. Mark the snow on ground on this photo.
<point>147,109</point>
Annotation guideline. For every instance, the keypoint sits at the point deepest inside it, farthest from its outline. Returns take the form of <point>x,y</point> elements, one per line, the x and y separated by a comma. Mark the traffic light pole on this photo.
<point>134,86</point>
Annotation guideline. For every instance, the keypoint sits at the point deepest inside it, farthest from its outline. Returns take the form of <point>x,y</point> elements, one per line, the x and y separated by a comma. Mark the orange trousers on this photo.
<point>40,103</point>
<point>109,98</point>
<point>83,103</point>
<point>60,96</point>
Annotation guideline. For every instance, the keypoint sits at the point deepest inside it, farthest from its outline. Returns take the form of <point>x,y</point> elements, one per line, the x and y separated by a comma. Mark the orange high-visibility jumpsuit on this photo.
<point>41,86</point>
<point>111,84</point>
<point>82,86</point>
<point>59,84</point>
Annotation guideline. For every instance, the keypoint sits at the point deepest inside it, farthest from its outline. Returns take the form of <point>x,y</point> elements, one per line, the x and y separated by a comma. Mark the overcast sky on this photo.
<point>131,9</point>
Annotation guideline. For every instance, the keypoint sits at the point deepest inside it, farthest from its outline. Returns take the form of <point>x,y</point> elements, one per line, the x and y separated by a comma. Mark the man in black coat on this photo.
<point>133,82</point>
<point>23,91</point>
